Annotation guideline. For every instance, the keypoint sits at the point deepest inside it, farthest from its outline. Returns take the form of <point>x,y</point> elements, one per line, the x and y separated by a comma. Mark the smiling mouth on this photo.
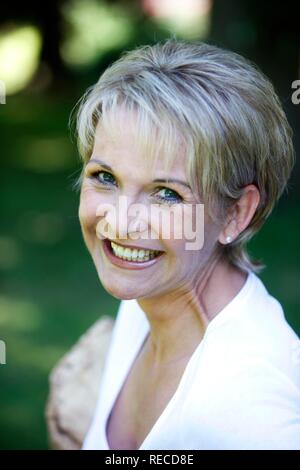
<point>137,255</point>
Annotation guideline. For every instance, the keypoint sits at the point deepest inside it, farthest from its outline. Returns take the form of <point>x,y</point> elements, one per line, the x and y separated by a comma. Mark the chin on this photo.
<point>121,291</point>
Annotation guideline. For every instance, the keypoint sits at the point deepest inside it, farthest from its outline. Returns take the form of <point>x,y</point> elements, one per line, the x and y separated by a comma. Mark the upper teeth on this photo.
<point>133,254</point>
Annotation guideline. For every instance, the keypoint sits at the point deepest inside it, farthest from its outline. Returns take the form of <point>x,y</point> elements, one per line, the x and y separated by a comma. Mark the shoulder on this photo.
<point>246,385</point>
<point>239,400</point>
<point>254,408</point>
<point>260,334</point>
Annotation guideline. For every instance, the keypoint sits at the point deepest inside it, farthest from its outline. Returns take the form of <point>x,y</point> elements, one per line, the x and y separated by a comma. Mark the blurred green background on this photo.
<point>49,54</point>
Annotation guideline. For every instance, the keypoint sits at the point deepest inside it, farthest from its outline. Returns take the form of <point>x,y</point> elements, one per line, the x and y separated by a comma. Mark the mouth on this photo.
<point>134,256</point>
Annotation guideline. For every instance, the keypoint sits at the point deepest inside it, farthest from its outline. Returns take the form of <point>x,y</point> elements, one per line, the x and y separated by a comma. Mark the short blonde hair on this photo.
<point>219,105</point>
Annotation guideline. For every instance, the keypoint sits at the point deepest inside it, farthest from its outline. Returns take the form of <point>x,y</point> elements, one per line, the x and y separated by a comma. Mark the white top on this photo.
<point>240,388</point>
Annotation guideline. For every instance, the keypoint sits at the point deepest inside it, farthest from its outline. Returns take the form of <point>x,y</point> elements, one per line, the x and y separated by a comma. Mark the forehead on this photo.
<point>121,139</point>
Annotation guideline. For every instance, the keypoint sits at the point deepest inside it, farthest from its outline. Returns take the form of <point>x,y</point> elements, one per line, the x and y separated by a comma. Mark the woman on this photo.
<point>201,355</point>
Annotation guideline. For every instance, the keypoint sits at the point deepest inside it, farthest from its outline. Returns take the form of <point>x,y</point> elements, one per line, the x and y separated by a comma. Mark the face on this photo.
<point>117,170</point>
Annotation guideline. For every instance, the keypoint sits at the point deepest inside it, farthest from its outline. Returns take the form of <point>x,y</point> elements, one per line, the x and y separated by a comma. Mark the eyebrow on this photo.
<point>157,180</point>
<point>96,160</point>
<point>172,180</point>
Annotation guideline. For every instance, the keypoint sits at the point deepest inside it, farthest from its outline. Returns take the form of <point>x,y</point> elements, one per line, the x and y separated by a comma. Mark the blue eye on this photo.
<point>104,177</point>
<point>169,196</point>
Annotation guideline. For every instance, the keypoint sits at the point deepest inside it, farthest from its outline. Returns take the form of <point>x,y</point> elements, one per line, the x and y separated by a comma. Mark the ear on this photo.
<point>240,214</point>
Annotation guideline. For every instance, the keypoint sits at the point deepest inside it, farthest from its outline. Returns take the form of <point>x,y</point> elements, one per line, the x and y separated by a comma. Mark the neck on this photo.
<point>178,319</point>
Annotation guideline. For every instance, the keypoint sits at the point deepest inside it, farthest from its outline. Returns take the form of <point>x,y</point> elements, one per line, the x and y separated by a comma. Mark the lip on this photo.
<point>132,247</point>
<point>121,263</point>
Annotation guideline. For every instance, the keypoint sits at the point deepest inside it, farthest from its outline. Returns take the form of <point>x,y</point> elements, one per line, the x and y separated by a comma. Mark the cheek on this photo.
<point>174,228</point>
<point>168,224</point>
<point>212,230</point>
<point>198,238</point>
<point>87,210</point>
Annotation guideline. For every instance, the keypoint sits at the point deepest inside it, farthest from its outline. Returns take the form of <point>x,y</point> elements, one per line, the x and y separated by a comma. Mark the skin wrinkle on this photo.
<point>200,315</point>
<point>238,134</point>
<point>190,281</point>
<point>180,294</point>
<point>218,123</point>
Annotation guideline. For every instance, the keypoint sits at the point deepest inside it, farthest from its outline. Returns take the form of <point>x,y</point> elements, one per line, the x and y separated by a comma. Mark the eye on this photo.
<point>169,196</point>
<point>104,177</point>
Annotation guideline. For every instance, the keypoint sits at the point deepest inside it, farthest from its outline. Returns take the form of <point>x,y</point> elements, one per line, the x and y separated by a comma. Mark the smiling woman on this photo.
<point>201,355</point>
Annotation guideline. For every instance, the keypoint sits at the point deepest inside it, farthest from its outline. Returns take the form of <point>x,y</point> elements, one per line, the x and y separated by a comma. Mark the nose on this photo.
<point>121,221</point>
<point>137,226</point>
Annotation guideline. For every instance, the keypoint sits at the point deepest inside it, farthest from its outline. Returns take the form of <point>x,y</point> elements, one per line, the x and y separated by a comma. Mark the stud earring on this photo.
<point>228,239</point>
